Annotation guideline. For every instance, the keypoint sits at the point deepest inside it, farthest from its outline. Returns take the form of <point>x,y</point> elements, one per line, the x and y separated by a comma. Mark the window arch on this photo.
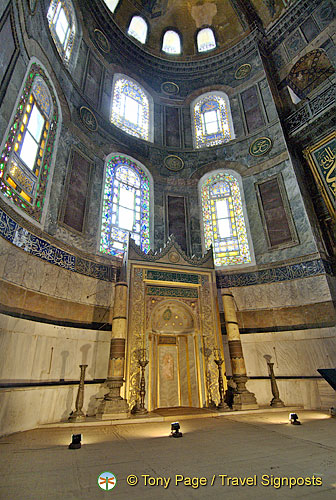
<point>225,225</point>
<point>62,25</point>
<point>171,42</point>
<point>138,29</point>
<point>126,205</point>
<point>205,40</point>
<point>111,4</point>
<point>26,160</point>
<point>132,108</point>
<point>212,120</point>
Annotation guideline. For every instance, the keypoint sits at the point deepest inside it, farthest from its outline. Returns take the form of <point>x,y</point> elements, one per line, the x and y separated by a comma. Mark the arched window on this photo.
<point>138,29</point>
<point>111,4</point>
<point>224,224</point>
<point>26,160</point>
<point>212,120</point>
<point>132,108</point>
<point>205,40</point>
<point>62,25</point>
<point>125,206</point>
<point>171,42</point>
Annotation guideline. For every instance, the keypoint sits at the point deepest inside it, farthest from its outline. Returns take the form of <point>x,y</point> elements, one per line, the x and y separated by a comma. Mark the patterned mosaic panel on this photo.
<point>164,291</point>
<point>171,276</point>
<point>216,105</point>
<point>284,273</point>
<point>121,171</point>
<point>136,121</point>
<point>234,247</point>
<point>27,191</point>
<point>22,238</point>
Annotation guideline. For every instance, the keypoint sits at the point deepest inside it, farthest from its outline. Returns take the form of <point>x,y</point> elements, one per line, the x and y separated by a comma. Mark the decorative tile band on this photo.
<point>172,276</point>
<point>22,238</point>
<point>165,291</point>
<point>283,273</point>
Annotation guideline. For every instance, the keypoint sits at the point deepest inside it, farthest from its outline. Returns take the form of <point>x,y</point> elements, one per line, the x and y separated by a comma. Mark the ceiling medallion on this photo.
<point>260,146</point>
<point>173,163</point>
<point>88,118</point>
<point>102,41</point>
<point>243,71</point>
<point>173,257</point>
<point>170,88</point>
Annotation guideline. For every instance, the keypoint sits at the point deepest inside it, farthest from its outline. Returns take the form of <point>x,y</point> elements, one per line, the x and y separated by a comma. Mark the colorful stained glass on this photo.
<point>125,207</point>
<point>205,40</point>
<point>130,108</point>
<point>171,42</point>
<point>26,158</point>
<point>61,18</point>
<point>223,220</point>
<point>138,29</point>
<point>211,121</point>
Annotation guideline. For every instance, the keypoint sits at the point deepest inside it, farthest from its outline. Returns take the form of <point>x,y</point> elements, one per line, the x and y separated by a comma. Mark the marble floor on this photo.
<point>264,456</point>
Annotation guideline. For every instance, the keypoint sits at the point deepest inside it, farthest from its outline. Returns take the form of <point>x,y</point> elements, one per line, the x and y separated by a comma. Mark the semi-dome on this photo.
<point>229,20</point>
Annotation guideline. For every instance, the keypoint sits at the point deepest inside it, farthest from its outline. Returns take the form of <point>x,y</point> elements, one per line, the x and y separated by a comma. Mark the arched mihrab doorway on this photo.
<point>173,375</point>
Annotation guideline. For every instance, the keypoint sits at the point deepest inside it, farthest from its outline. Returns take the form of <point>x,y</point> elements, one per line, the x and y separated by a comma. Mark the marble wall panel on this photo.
<point>297,353</point>
<point>15,266</point>
<point>282,294</point>
<point>33,351</point>
<point>308,393</point>
<point>27,408</point>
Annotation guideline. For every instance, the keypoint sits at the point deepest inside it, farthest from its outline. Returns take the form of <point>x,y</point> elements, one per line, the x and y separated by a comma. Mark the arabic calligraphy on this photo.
<point>260,146</point>
<point>327,159</point>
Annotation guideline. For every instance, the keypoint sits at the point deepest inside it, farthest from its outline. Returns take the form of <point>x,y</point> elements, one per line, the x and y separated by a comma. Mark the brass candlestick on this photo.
<point>207,353</point>
<point>219,361</point>
<point>78,415</point>
<point>143,362</point>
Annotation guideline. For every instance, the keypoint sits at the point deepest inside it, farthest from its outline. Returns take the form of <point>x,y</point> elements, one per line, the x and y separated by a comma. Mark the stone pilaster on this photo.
<point>242,398</point>
<point>113,405</point>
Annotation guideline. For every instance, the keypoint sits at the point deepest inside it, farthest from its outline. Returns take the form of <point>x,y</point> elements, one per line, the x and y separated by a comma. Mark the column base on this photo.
<point>242,398</point>
<point>113,409</point>
<point>245,401</point>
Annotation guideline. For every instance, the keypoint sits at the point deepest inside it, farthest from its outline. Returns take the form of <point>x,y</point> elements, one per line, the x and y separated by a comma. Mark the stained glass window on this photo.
<point>26,159</point>
<point>61,19</point>
<point>212,120</point>
<point>205,40</point>
<point>223,220</point>
<point>171,42</point>
<point>138,29</point>
<point>112,4</point>
<point>130,108</point>
<point>125,206</point>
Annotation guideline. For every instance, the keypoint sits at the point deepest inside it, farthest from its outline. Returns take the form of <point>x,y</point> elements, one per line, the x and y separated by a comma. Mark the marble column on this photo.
<point>242,398</point>
<point>113,405</point>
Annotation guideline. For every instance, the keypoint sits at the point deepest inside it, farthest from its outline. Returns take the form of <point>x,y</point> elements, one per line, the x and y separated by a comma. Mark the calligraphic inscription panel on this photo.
<point>324,169</point>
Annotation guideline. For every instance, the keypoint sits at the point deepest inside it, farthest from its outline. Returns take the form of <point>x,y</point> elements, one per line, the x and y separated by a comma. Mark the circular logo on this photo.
<point>102,41</point>
<point>260,146</point>
<point>107,481</point>
<point>88,118</point>
<point>170,88</point>
<point>173,257</point>
<point>243,71</point>
<point>173,163</point>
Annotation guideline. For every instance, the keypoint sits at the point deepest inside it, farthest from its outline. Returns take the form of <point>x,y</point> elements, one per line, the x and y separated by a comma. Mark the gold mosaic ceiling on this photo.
<point>229,18</point>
